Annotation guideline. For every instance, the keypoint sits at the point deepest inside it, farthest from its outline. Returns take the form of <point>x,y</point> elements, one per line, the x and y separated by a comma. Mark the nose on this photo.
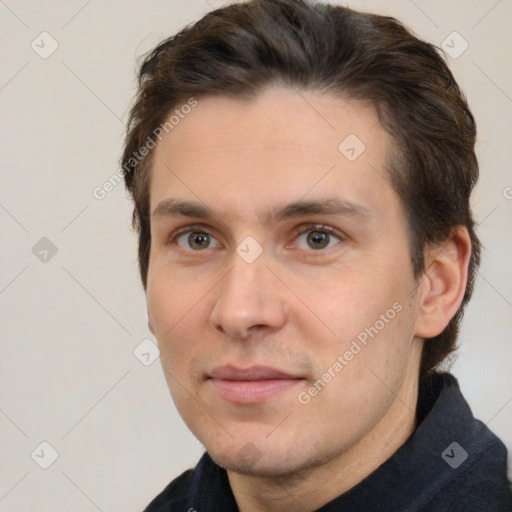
<point>248,300</point>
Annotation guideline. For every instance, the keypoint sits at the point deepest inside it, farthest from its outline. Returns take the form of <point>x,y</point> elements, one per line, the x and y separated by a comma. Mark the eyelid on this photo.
<point>190,228</point>
<point>299,230</point>
<point>305,228</point>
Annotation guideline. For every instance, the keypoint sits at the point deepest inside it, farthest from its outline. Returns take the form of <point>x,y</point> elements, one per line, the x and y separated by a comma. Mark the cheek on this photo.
<point>177,310</point>
<point>367,376</point>
<point>366,320</point>
<point>170,297</point>
<point>347,303</point>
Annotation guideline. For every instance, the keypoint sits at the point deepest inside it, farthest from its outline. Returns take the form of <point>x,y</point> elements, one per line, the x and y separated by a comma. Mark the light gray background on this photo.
<point>69,326</point>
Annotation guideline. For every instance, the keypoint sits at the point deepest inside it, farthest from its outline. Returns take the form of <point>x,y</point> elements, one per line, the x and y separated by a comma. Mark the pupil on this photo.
<point>318,239</point>
<point>199,240</point>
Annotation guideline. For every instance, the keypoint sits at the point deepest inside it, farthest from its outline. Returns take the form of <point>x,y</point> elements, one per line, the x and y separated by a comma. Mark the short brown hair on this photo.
<point>237,50</point>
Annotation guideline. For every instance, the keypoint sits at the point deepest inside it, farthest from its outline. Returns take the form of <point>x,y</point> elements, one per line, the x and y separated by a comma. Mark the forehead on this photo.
<point>281,145</point>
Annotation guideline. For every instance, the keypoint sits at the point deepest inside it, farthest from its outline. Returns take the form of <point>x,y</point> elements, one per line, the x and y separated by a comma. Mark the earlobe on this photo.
<point>444,283</point>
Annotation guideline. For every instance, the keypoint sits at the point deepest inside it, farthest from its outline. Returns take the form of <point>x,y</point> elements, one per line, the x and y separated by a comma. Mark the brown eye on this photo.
<point>196,241</point>
<point>199,240</point>
<point>318,239</point>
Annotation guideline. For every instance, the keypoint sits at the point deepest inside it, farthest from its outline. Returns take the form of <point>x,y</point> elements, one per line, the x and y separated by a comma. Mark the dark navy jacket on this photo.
<point>451,463</point>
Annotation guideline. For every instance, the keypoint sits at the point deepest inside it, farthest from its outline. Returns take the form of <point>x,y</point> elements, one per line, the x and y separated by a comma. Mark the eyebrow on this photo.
<point>329,206</point>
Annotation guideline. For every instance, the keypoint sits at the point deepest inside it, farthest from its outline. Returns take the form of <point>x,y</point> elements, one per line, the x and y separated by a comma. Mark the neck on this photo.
<point>316,486</point>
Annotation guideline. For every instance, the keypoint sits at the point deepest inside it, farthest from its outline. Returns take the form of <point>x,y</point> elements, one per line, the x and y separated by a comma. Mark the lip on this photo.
<point>253,385</point>
<point>229,372</point>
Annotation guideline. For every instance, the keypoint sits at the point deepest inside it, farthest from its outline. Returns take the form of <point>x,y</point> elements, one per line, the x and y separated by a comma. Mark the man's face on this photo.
<point>282,359</point>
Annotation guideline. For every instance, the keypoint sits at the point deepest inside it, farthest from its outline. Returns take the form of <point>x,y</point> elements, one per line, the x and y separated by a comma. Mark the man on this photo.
<point>301,177</point>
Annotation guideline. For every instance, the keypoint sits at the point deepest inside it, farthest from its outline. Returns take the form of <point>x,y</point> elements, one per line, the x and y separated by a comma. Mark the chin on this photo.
<point>261,467</point>
<point>266,462</point>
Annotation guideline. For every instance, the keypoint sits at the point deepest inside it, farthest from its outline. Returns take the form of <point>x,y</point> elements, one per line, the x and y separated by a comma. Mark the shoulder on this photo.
<point>480,484</point>
<point>469,460</point>
<point>175,495</point>
<point>204,488</point>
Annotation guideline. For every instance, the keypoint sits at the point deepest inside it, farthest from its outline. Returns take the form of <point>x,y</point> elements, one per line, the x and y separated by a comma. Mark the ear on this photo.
<point>442,288</point>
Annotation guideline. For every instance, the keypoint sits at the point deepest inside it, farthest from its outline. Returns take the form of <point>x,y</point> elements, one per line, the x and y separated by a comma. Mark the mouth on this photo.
<point>253,385</point>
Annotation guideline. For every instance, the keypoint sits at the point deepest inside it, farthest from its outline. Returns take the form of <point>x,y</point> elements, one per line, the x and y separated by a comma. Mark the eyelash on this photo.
<point>317,227</point>
<point>297,232</point>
